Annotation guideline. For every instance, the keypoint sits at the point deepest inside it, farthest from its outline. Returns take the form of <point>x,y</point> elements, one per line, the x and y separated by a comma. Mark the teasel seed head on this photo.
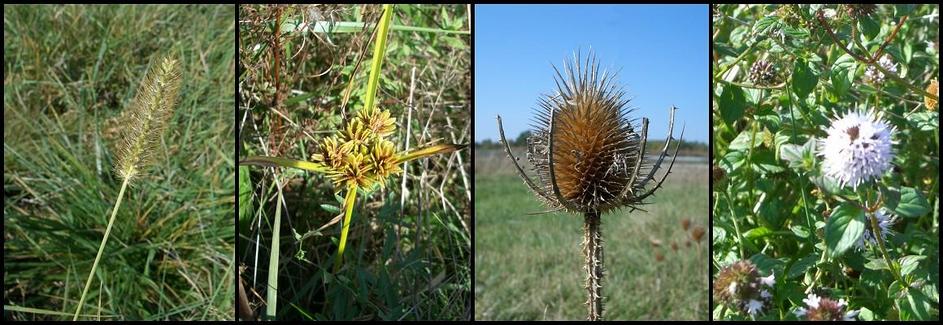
<point>588,156</point>
<point>150,113</point>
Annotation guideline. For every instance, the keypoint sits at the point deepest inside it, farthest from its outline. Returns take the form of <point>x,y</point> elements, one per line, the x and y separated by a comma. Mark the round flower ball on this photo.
<point>857,149</point>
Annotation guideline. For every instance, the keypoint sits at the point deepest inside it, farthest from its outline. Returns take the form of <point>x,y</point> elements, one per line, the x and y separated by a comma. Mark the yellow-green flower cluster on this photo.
<point>361,154</point>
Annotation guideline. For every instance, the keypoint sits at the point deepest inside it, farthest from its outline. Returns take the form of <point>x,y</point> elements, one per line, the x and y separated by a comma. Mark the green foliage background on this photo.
<point>771,204</point>
<point>69,72</point>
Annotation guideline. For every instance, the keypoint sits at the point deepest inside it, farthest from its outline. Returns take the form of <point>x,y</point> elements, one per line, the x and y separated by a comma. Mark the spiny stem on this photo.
<point>592,250</point>
<point>111,222</point>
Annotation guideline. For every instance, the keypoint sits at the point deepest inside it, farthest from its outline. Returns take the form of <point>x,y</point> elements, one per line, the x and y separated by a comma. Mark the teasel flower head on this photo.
<point>741,287</point>
<point>933,88</point>
<point>858,11</point>
<point>858,148</point>
<point>875,76</point>
<point>763,73</point>
<point>825,309</point>
<point>885,222</point>
<point>588,156</point>
<point>150,113</point>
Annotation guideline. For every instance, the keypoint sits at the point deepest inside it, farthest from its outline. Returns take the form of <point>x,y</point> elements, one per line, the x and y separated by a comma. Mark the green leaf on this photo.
<point>925,121</point>
<point>732,104</point>
<point>869,27</point>
<point>766,264</point>
<point>845,226</point>
<point>764,162</point>
<point>909,263</point>
<point>330,208</point>
<point>912,203</point>
<point>842,74</point>
<point>876,264</point>
<point>766,25</point>
<point>804,78</point>
<point>865,314</point>
<point>757,233</point>
<point>916,306</point>
<point>801,266</point>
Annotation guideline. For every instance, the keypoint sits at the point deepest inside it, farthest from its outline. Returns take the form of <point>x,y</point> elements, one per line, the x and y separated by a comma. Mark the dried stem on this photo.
<point>592,250</point>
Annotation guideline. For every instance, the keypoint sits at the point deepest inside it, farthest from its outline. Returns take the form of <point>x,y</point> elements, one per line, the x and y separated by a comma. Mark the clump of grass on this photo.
<point>589,158</point>
<point>150,111</point>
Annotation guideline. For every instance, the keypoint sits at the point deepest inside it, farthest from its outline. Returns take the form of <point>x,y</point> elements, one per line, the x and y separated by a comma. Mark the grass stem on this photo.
<point>101,248</point>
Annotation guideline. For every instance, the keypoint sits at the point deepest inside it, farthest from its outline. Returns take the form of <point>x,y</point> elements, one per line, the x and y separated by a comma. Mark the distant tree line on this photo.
<point>688,148</point>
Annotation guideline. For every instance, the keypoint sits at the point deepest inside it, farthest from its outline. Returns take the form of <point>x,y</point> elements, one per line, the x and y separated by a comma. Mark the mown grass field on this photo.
<point>69,73</point>
<point>530,267</point>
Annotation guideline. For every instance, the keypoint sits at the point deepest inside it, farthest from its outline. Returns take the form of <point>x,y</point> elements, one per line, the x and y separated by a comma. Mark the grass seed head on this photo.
<point>149,115</point>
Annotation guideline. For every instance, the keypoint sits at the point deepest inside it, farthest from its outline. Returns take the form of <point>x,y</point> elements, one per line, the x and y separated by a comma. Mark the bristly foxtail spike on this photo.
<point>151,110</point>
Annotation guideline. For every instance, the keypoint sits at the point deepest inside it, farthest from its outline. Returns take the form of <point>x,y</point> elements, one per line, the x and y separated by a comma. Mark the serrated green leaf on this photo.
<point>843,229</point>
<point>804,78</point>
<point>757,233</point>
<point>909,263</point>
<point>801,266</point>
<point>912,203</point>
<point>731,104</point>
<point>876,264</point>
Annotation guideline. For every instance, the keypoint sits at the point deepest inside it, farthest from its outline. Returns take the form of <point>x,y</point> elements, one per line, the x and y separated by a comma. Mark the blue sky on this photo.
<point>661,49</point>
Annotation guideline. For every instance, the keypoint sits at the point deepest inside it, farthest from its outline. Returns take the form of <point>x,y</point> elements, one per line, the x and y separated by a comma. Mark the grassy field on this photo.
<point>69,72</point>
<point>529,267</point>
<point>408,253</point>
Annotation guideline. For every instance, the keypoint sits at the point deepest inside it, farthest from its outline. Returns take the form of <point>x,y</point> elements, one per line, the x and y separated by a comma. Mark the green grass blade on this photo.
<point>379,50</point>
<point>283,162</point>
<point>429,151</point>
<point>356,26</point>
<point>271,293</point>
<point>43,311</point>
<point>91,274</point>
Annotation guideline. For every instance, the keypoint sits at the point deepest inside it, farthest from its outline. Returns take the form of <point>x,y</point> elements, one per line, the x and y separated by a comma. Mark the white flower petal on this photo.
<point>800,312</point>
<point>858,148</point>
<point>769,281</point>
<point>754,306</point>
<point>850,315</point>
<point>812,301</point>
